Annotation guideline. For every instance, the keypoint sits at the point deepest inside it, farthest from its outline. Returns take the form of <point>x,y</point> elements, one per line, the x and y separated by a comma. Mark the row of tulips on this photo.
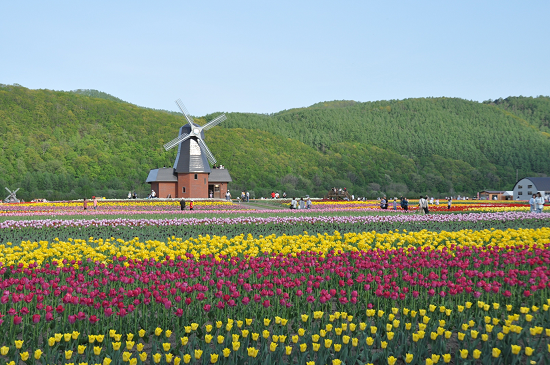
<point>470,333</point>
<point>147,286</point>
<point>370,244</point>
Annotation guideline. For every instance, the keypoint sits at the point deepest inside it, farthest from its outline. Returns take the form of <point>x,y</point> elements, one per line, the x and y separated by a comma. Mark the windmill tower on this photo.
<point>191,176</point>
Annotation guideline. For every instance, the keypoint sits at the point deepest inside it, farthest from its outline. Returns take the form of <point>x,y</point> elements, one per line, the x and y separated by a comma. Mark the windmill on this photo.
<point>191,176</point>
<point>193,154</point>
<point>12,198</point>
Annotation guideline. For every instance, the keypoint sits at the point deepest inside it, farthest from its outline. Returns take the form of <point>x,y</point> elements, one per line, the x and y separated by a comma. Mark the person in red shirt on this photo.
<point>191,205</point>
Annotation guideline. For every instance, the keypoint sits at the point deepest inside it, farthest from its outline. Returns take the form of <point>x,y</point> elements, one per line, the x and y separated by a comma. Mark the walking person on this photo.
<point>95,202</point>
<point>449,203</point>
<point>247,196</point>
<point>423,204</point>
<point>383,203</point>
<point>533,204</point>
<point>426,206</point>
<point>182,204</point>
<point>191,203</point>
<point>302,204</point>
<point>394,203</point>
<point>308,203</point>
<point>540,202</point>
<point>85,204</point>
<point>405,204</point>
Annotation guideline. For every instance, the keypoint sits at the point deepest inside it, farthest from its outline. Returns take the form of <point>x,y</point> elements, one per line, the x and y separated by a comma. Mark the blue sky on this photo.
<point>263,57</point>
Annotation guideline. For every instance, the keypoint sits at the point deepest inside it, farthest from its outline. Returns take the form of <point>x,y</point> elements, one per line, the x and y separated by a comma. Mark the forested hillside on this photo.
<point>61,145</point>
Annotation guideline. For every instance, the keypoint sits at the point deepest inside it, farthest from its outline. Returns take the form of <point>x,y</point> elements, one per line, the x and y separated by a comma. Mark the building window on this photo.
<point>205,181</point>
<point>520,187</point>
<point>520,192</point>
<point>196,177</point>
<point>529,186</point>
<point>529,193</point>
<point>183,189</point>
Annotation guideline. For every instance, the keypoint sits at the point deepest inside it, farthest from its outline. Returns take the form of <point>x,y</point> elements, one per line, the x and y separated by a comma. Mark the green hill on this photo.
<point>61,145</point>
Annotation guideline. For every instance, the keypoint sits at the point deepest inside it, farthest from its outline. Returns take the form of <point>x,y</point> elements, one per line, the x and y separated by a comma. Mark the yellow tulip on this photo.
<point>51,341</point>
<point>99,338</point>
<point>516,349</point>
<point>236,345</point>
<point>369,341</point>
<point>168,333</point>
<point>4,350</point>
<point>187,358</point>
<point>97,350</point>
<point>158,332</point>
<point>496,352</point>
<point>141,333</point>
<point>68,354</point>
<point>18,343</point>
<point>107,361</point>
<point>166,346</point>
<point>446,358</point>
<point>383,344</point>
<point>303,347</point>
<point>345,339</point>
<point>252,352</point>
<point>81,349</point>
<point>409,358</point>
<point>226,352</point>
<point>184,340</point>
<point>116,346</point>
<point>529,351</point>
<point>316,346</point>
<point>126,356</point>
<point>37,354</point>
<point>464,353</point>
<point>267,321</point>
<point>220,339</point>
<point>198,354</point>
<point>214,358</point>
<point>476,354</point>
<point>157,357</point>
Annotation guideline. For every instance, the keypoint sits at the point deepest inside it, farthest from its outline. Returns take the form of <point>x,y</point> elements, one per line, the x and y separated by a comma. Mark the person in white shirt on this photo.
<point>539,201</point>
<point>532,204</point>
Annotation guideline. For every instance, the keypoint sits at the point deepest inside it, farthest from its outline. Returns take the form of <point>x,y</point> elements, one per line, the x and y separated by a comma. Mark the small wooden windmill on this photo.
<point>12,198</point>
<point>191,176</point>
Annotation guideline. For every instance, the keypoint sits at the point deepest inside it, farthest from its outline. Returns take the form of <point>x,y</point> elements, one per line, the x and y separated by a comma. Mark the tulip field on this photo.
<point>342,283</point>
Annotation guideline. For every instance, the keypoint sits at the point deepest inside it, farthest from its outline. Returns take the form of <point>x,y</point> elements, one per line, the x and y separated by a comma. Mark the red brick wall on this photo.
<point>163,189</point>
<point>193,188</point>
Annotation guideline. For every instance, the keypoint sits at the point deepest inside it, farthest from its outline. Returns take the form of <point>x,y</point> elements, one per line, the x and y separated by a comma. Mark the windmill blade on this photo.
<point>16,190</point>
<point>185,112</point>
<point>9,191</point>
<point>206,151</point>
<point>175,141</point>
<point>214,122</point>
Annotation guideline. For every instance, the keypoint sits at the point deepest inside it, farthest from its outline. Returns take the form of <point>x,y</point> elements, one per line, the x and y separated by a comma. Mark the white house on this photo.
<point>528,186</point>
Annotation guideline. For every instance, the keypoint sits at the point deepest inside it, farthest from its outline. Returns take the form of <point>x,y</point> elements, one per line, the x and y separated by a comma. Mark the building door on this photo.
<point>217,192</point>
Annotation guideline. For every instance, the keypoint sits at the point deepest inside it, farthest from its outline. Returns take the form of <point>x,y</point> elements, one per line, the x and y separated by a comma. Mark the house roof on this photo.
<point>541,183</point>
<point>493,191</point>
<point>165,174</point>
<point>219,175</point>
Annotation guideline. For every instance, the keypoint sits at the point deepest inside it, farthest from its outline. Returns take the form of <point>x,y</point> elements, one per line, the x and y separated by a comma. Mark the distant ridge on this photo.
<point>97,94</point>
<point>61,145</point>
